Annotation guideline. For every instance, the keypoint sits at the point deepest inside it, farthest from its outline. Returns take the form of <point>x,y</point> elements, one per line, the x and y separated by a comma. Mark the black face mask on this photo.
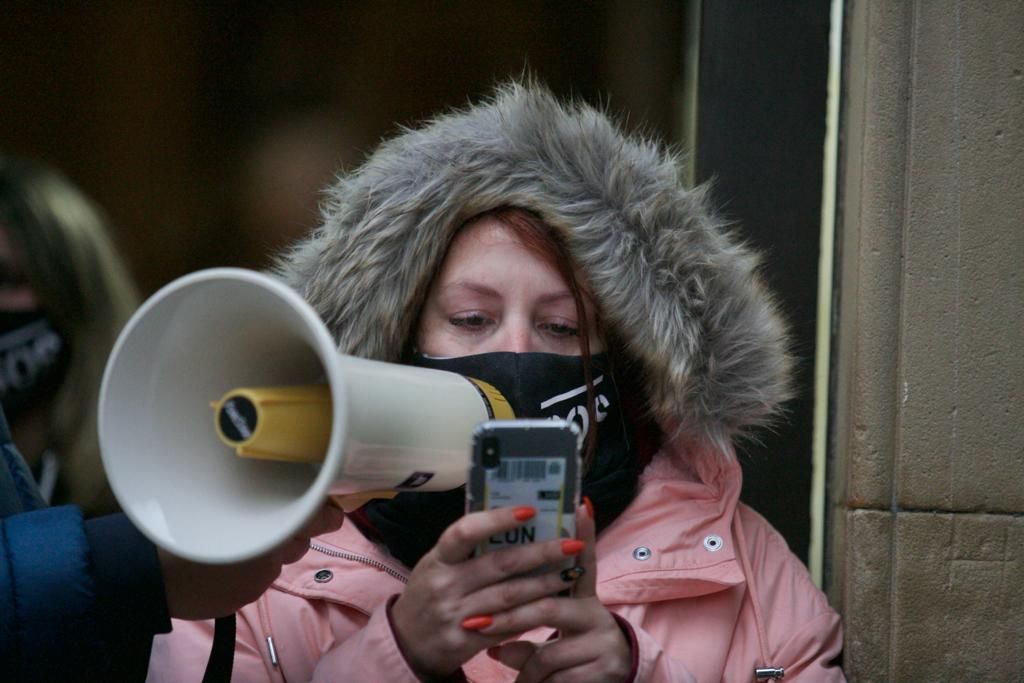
<point>536,385</point>
<point>33,360</point>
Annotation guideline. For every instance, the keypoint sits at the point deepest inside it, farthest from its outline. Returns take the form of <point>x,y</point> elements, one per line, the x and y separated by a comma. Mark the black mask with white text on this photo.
<point>33,360</point>
<point>536,385</point>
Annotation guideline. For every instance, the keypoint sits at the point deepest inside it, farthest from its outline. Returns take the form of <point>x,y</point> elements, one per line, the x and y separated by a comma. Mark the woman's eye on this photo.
<point>560,329</point>
<point>472,321</point>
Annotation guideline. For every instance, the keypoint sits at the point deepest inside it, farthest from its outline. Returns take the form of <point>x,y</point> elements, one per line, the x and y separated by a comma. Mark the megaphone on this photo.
<point>193,344</point>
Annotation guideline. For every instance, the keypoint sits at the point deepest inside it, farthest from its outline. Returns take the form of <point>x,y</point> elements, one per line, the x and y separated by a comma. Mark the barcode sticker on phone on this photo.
<point>527,470</point>
<point>528,481</point>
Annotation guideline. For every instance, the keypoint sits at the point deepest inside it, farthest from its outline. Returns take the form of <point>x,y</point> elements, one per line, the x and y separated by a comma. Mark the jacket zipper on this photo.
<point>313,545</point>
<point>359,558</point>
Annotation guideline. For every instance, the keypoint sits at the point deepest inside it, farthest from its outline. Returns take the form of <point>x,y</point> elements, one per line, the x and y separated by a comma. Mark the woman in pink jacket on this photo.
<point>531,244</point>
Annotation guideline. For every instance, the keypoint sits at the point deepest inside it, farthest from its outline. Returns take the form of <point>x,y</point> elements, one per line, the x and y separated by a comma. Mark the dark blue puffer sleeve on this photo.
<point>78,601</point>
<point>47,595</point>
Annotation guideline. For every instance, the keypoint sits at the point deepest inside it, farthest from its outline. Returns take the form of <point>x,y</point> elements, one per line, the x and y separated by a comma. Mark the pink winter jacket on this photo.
<point>709,587</point>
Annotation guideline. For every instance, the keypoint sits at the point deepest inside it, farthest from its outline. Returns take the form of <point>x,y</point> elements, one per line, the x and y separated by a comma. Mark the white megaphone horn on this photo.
<point>220,338</point>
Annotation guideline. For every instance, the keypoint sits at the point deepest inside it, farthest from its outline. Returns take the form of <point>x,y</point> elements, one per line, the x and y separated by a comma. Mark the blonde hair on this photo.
<point>73,267</point>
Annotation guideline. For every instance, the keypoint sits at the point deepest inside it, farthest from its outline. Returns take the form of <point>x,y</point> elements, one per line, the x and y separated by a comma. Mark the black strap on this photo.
<point>222,654</point>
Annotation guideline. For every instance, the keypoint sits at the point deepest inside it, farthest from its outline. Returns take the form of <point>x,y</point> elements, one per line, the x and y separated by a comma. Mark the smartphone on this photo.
<point>526,462</point>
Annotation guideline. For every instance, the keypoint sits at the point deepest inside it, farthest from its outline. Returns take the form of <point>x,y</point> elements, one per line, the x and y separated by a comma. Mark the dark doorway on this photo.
<point>760,138</point>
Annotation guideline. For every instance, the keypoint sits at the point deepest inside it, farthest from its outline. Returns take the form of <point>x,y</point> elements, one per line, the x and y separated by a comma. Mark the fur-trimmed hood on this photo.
<point>679,292</point>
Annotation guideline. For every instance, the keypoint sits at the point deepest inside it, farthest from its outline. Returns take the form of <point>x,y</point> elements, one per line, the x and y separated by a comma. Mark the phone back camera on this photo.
<point>491,448</point>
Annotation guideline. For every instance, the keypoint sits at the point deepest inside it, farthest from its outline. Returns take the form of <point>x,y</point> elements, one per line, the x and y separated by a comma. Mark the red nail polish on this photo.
<point>572,546</point>
<point>524,513</point>
<point>478,622</point>
<point>590,506</point>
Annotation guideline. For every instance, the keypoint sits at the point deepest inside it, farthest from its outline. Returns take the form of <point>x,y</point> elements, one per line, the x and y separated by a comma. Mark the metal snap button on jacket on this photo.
<point>323,576</point>
<point>642,553</point>
<point>713,543</point>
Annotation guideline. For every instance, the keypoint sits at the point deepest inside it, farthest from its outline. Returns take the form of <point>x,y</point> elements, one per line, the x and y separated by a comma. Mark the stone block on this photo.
<point>929,349</point>
<point>956,597</point>
<point>989,474</point>
<point>866,600</point>
<point>875,108</point>
<point>961,374</point>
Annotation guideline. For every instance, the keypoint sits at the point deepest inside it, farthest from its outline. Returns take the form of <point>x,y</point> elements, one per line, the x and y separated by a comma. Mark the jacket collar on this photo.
<point>675,540</point>
<point>350,560</point>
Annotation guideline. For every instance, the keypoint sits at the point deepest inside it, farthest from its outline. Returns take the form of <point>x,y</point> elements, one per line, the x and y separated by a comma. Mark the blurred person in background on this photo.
<point>65,294</point>
<point>278,183</point>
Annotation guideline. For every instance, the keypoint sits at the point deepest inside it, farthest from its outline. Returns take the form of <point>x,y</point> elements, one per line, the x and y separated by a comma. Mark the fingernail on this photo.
<point>590,506</point>
<point>478,622</point>
<point>572,573</point>
<point>524,513</point>
<point>572,546</point>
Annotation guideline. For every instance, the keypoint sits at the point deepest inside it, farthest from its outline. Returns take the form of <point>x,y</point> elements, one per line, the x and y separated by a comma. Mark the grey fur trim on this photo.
<point>679,291</point>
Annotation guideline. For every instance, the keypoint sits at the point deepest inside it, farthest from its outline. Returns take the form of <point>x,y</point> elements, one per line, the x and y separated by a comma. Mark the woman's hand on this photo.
<point>203,591</point>
<point>591,646</point>
<point>453,605</point>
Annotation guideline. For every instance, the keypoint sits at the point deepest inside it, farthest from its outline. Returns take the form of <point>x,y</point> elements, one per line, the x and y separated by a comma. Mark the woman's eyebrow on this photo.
<point>471,285</point>
<point>555,297</point>
<point>487,290</point>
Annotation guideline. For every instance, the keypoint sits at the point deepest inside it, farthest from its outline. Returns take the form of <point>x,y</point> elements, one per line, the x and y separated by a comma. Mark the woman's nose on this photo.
<point>518,338</point>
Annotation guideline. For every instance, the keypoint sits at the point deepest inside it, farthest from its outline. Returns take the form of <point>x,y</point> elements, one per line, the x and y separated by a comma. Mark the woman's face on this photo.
<point>15,292</point>
<point>494,294</point>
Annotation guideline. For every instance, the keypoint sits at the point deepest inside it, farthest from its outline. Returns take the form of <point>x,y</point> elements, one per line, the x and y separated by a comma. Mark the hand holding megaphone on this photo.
<point>203,591</point>
<point>321,424</point>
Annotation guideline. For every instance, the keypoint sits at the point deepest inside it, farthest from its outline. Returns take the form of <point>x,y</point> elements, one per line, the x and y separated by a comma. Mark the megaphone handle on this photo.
<point>352,501</point>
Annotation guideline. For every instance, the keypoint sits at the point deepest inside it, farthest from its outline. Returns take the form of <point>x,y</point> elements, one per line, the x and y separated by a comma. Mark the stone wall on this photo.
<point>927,440</point>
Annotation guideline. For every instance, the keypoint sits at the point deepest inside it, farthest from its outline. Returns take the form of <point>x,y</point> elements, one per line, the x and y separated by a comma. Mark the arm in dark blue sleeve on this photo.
<point>46,587</point>
<point>130,602</point>
<point>78,600</point>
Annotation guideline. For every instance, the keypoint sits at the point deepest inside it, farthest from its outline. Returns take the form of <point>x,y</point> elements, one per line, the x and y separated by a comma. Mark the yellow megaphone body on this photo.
<point>327,424</point>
